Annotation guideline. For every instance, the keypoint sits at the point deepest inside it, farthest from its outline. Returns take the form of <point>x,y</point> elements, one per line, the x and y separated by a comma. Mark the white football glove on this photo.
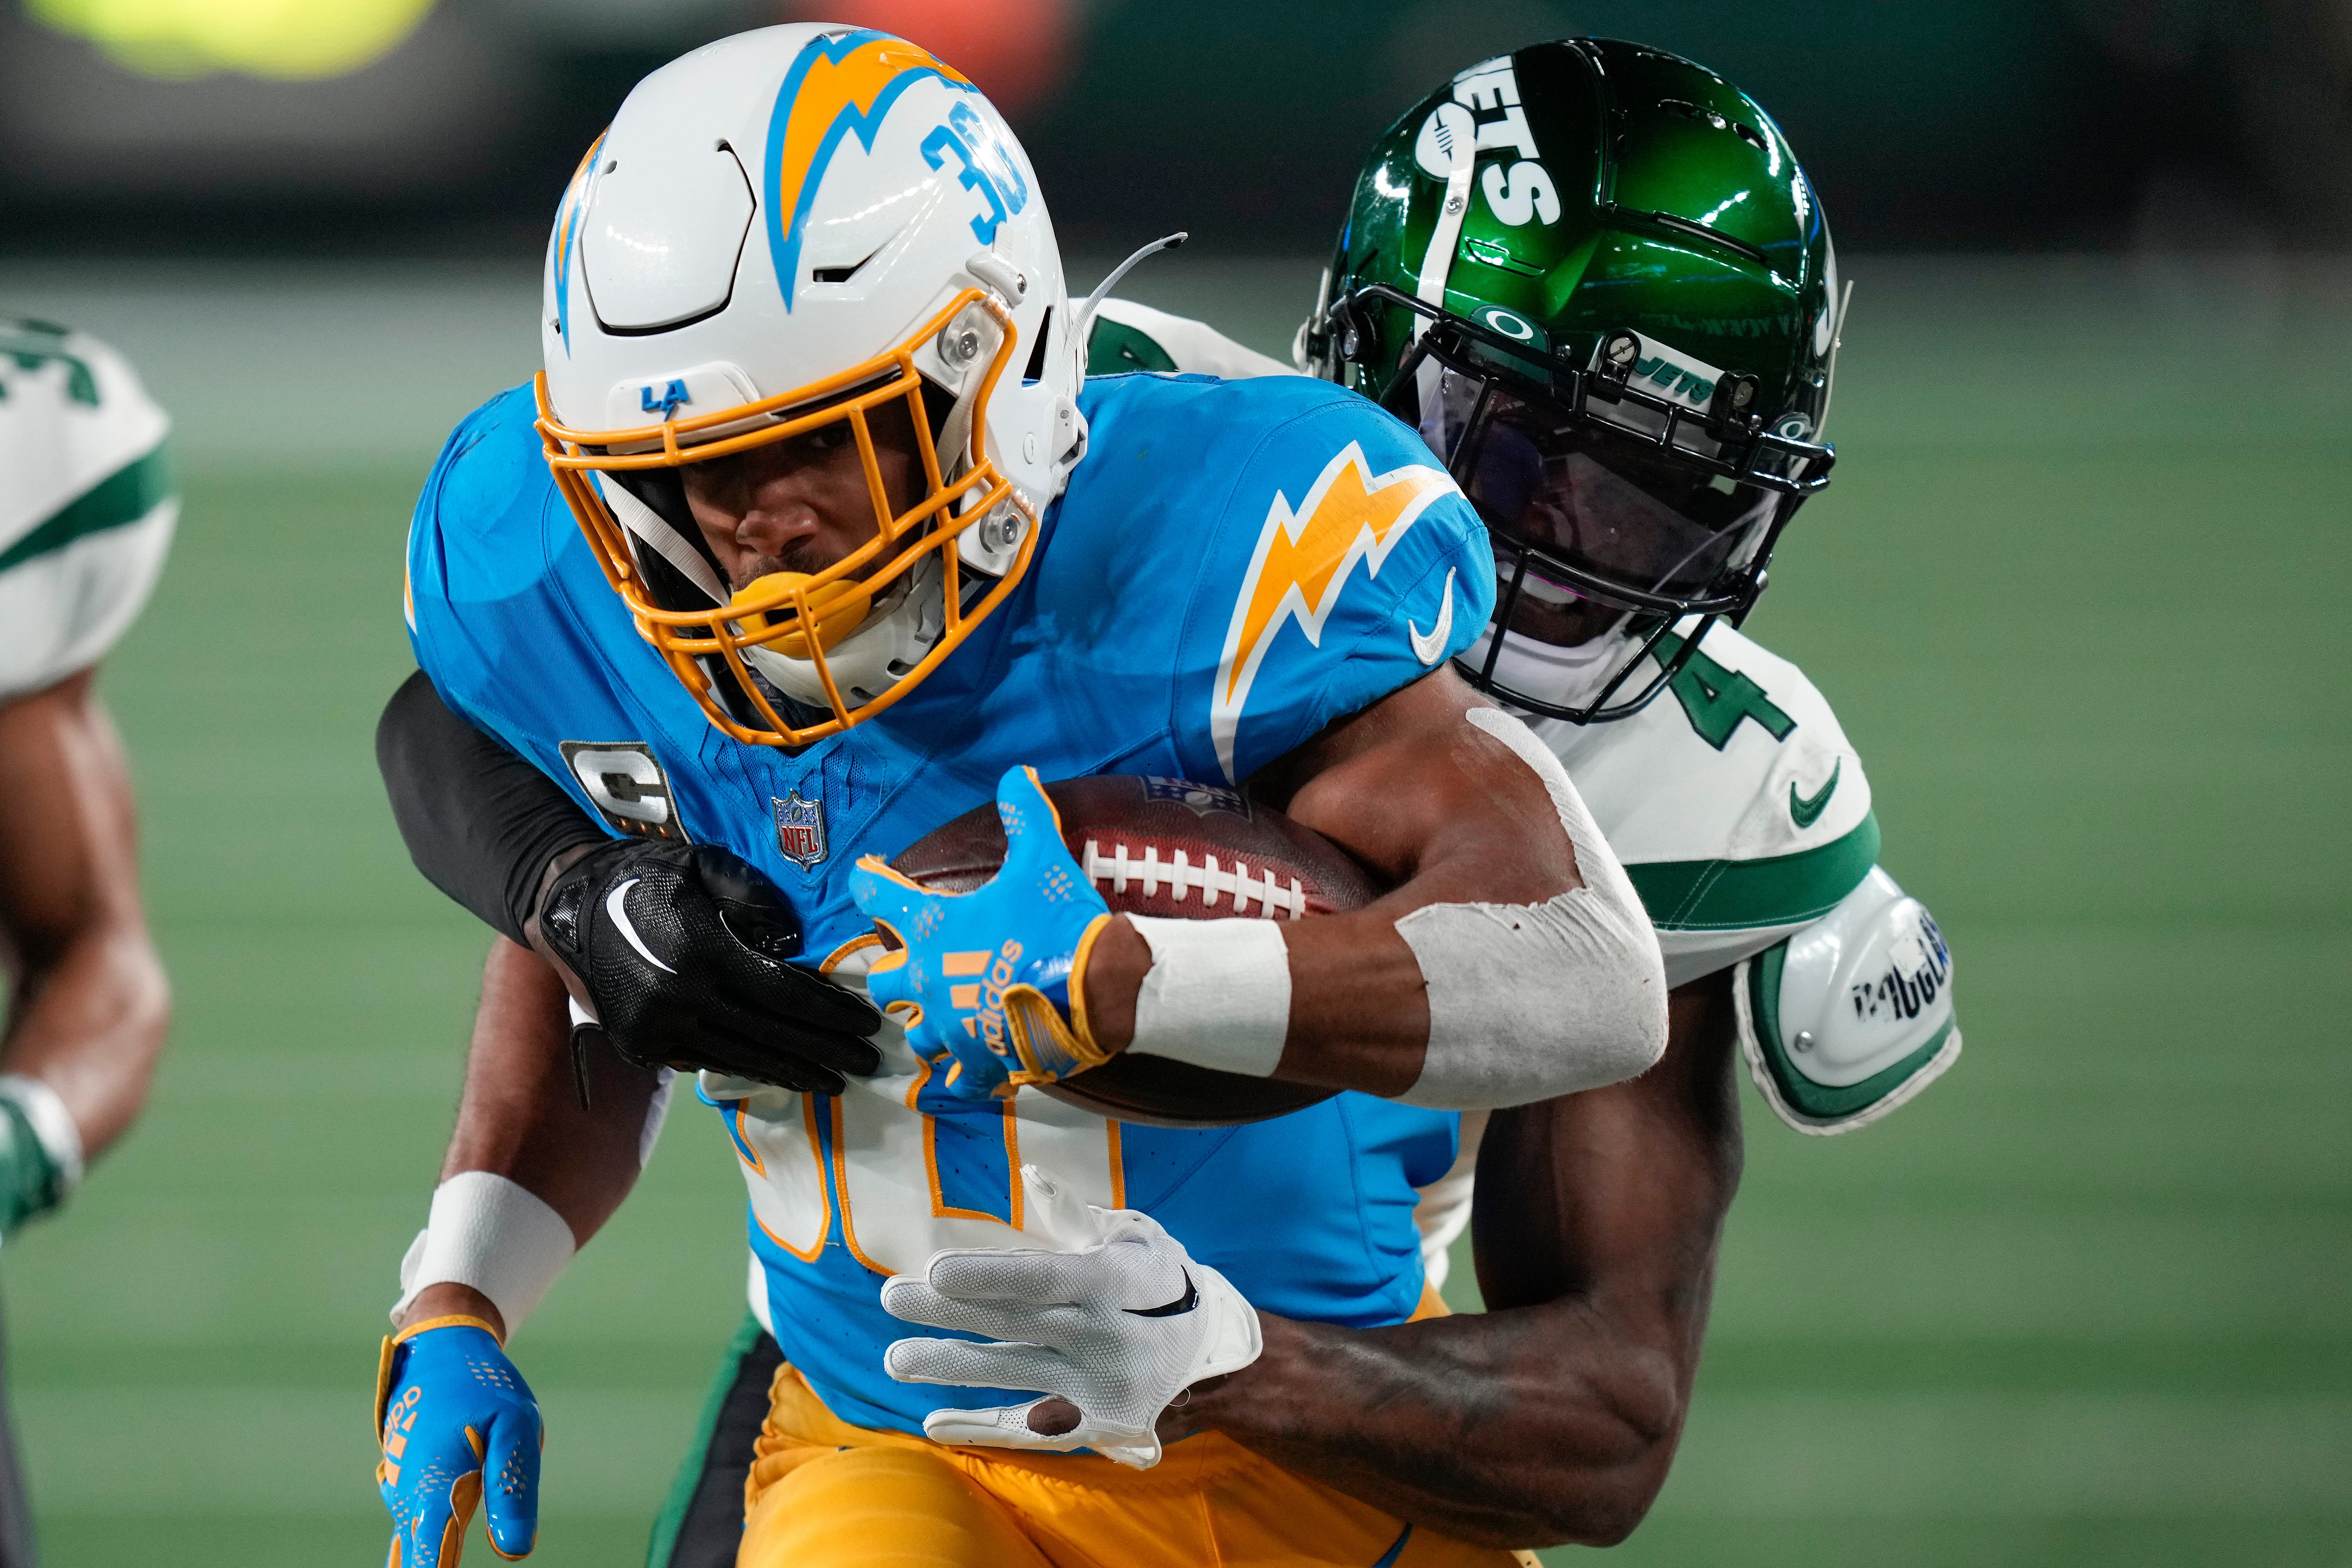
<point>1117,1319</point>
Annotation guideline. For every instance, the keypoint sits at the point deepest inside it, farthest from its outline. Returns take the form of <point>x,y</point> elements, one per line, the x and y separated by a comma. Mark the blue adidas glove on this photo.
<point>993,976</point>
<point>450,1407</point>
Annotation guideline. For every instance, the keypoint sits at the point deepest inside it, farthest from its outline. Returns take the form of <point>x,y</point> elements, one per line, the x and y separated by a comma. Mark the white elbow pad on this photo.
<point>1852,1016</point>
<point>1530,1001</point>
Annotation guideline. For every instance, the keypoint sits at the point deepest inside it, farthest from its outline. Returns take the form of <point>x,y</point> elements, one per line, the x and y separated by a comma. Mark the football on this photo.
<point>1180,850</point>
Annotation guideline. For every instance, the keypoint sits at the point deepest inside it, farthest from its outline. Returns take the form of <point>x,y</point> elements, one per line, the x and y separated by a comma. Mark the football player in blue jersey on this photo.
<point>807,539</point>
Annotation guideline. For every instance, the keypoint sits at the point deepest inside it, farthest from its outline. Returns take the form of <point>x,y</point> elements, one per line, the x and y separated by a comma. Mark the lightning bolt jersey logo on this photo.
<point>840,84</point>
<point>1305,556</point>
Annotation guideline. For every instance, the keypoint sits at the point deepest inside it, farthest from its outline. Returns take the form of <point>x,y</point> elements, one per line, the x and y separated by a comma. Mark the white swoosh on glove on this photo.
<point>620,914</point>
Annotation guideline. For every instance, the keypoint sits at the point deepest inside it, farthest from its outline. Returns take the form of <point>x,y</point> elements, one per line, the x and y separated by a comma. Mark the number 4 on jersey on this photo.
<point>1716,699</point>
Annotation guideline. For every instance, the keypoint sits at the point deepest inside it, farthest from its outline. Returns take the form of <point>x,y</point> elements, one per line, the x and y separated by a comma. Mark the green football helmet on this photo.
<point>1595,277</point>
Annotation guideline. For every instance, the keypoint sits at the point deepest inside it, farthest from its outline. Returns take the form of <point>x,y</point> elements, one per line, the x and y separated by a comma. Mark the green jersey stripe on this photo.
<point>125,496</point>
<point>1732,895</point>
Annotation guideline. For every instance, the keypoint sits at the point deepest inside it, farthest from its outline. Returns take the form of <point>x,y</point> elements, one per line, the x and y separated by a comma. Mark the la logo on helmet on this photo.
<point>666,405</point>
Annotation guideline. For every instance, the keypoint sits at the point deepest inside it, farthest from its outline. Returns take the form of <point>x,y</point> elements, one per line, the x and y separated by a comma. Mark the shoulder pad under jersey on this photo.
<point>1127,337</point>
<point>87,512</point>
<point>1287,554</point>
<point>1852,1016</point>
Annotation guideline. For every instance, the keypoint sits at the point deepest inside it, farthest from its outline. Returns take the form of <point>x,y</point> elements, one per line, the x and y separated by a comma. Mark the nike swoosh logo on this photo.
<point>1806,810</point>
<point>620,917</point>
<point>1430,648</point>
<point>1176,1309</point>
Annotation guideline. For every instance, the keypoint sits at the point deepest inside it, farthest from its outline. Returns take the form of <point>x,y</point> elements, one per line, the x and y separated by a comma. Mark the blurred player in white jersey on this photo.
<point>87,506</point>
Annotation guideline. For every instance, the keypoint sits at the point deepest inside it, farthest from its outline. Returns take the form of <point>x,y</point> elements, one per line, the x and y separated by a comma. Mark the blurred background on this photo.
<point>2077,595</point>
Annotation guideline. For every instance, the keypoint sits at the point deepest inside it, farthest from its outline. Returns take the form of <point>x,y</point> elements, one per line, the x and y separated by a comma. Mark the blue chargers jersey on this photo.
<point>1233,566</point>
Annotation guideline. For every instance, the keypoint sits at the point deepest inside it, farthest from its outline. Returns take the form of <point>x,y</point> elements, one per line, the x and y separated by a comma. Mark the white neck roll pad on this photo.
<point>1217,994</point>
<point>1531,1001</point>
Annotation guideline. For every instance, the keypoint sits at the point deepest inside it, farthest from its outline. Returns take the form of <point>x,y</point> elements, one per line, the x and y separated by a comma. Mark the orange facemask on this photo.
<point>794,614</point>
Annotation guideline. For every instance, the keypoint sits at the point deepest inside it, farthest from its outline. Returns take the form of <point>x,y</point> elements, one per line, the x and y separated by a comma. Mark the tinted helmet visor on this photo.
<point>1595,512</point>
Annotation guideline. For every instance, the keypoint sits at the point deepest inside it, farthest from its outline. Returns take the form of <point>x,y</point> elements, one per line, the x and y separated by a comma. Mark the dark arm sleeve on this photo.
<point>480,821</point>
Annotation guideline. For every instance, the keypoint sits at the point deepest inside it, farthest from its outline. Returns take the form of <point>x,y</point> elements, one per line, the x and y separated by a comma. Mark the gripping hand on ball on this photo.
<point>1118,1321</point>
<point>458,1427</point>
<point>683,950</point>
<point>994,977</point>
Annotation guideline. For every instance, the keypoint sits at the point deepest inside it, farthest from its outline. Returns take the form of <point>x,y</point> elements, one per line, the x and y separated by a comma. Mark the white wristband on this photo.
<point>53,1124</point>
<point>1217,994</point>
<point>493,1235</point>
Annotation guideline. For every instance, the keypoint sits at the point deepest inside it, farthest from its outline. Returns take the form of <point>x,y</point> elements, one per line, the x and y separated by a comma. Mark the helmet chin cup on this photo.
<point>892,639</point>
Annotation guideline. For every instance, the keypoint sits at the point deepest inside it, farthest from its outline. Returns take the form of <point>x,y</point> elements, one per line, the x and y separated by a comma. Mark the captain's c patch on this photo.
<point>628,786</point>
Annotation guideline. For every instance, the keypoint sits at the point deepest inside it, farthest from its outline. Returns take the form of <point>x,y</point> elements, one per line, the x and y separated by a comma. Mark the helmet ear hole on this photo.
<point>1036,369</point>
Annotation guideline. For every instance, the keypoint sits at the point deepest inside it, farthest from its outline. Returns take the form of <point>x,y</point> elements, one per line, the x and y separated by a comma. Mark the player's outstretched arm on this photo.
<point>1552,1416</point>
<point>1510,963</point>
<point>521,1116</point>
<point>535,1168</point>
<point>90,1003</point>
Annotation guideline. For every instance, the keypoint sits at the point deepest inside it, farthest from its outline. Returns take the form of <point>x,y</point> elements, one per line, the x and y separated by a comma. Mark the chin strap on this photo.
<point>650,529</point>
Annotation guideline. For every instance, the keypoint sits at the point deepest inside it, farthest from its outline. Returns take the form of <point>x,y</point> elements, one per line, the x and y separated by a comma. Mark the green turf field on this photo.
<point>2078,595</point>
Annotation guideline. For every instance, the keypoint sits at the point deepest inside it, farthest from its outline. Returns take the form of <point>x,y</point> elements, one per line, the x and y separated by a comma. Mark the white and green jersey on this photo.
<point>86,502</point>
<point>1743,817</point>
<point>1736,803</point>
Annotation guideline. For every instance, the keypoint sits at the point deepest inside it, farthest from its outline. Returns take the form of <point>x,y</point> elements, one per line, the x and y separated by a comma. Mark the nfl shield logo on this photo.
<point>800,830</point>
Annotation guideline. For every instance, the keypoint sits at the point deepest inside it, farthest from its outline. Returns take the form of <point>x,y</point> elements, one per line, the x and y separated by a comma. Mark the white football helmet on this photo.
<point>785,229</point>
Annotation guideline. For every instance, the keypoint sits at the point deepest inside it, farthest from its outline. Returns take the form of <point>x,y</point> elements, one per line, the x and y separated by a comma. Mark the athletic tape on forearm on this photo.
<point>656,1108</point>
<point>656,1112</point>
<point>1217,994</point>
<point>53,1124</point>
<point>1530,1001</point>
<point>491,1234</point>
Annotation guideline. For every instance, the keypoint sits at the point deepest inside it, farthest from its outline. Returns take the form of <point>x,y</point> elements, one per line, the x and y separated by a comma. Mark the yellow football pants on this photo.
<point>825,1494</point>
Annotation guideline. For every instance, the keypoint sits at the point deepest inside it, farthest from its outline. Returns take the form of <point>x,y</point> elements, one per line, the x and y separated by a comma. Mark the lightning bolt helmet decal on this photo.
<point>1304,558</point>
<point>840,84</point>
<point>567,235</point>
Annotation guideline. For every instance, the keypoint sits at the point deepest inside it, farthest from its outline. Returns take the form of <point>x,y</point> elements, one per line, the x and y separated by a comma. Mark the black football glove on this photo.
<point>683,949</point>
